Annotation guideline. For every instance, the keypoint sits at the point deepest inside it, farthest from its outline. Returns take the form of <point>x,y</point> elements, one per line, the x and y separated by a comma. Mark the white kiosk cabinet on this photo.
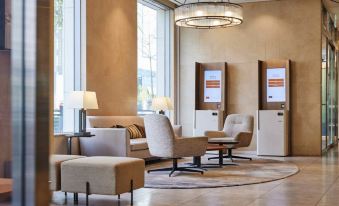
<point>272,132</point>
<point>207,120</point>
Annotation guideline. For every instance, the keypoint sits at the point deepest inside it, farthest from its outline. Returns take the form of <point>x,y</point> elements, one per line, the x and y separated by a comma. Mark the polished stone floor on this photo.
<point>317,183</point>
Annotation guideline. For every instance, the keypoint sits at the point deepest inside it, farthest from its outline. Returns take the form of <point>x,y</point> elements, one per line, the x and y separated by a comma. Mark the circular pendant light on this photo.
<point>208,15</point>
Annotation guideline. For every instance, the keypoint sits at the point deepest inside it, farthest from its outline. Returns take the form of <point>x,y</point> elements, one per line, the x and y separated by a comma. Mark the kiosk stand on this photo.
<point>210,97</point>
<point>274,107</point>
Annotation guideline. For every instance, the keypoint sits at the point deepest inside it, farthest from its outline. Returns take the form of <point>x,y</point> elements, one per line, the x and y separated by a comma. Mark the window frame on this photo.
<point>79,59</point>
<point>167,46</point>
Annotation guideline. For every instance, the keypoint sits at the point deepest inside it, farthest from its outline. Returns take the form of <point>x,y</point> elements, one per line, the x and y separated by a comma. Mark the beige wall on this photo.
<point>287,29</point>
<point>112,55</point>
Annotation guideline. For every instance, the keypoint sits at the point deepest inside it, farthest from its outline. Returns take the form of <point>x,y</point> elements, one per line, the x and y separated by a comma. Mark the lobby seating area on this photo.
<point>169,102</point>
<point>110,141</point>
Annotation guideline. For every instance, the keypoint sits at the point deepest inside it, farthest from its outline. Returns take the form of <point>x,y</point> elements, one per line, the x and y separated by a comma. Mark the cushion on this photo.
<point>142,130</point>
<point>133,131</point>
<point>55,168</point>
<point>106,175</point>
<point>138,144</point>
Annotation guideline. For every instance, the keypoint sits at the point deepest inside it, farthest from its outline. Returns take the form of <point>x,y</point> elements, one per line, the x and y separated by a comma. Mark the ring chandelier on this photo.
<point>208,15</point>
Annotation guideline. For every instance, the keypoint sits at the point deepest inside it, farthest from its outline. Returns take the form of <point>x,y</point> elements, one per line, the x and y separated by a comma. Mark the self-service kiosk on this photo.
<point>210,97</point>
<point>274,107</point>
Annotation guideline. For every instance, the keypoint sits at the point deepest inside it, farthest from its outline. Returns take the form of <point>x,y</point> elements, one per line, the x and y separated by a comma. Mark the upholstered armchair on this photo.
<point>238,127</point>
<point>162,142</point>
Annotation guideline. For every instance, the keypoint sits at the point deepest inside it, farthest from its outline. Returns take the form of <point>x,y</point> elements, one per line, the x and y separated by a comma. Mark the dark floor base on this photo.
<point>175,168</point>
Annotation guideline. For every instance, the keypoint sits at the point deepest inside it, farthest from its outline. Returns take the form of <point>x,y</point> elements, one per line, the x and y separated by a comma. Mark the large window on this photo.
<point>66,60</point>
<point>153,53</point>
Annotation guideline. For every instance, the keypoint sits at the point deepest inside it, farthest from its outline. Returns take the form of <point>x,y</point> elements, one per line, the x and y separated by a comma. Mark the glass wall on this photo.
<point>66,60</point>
<point>153,53</point>
<point>329,90</point>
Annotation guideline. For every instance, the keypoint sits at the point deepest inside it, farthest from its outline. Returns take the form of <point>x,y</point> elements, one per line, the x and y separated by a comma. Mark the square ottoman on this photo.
<point>102,175</point>
<point>55,169</point>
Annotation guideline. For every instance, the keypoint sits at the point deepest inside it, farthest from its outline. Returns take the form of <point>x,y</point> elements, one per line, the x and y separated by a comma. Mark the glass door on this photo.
<point>331,97</point>
<point>329,83</point>
<point>324,94</point>
<point>329,110</point>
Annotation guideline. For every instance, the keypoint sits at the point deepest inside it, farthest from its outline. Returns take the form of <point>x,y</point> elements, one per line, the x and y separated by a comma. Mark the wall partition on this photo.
<point>30,66</point>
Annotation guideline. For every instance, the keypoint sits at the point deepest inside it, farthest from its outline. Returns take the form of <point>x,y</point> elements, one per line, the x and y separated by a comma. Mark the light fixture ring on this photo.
<point>207,15</point>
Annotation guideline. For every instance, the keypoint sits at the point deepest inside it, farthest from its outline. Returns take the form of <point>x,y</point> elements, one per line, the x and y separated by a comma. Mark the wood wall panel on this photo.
<point>5,110</point>
<point>271,30</point>
<point>112,55</point>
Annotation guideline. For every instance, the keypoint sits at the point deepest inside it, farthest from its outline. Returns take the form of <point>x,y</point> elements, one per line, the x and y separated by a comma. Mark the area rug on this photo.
<point>244,173</point>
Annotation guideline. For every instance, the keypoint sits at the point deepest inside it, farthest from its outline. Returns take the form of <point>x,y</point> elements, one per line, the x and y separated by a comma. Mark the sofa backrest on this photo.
<point>109,121</point>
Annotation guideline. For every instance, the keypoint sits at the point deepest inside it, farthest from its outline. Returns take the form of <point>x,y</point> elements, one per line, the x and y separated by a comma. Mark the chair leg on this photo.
<point>75,198</point>
<point>87,192</point>
<point>240,157</point>
<point>132,192</point>
<point>160,170</point>
<point>190,170</point>
<point>176,168</point>
<point>231,156</point>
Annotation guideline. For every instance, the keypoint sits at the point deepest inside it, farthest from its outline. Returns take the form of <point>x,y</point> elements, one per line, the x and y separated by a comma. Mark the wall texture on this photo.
<point>286,29</point>
<point>5,111</point>
<point>112,55</point>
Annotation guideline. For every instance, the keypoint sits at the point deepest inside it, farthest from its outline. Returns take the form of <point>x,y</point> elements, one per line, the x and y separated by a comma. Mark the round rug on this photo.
<point>245,173</point>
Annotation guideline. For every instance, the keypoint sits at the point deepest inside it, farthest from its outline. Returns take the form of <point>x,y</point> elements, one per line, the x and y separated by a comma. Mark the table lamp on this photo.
<point>82,100</point>
<point>161,104</point>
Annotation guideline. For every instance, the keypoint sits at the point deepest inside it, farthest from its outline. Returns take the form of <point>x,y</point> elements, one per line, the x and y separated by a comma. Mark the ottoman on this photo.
<point>102,175</point>
<point>55,169</point>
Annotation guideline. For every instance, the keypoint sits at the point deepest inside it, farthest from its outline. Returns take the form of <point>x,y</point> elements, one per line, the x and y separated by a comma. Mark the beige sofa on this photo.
<point>115,141</point>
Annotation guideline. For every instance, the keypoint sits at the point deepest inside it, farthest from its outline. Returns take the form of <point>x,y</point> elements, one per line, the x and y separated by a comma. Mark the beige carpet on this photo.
<point>246,172</point>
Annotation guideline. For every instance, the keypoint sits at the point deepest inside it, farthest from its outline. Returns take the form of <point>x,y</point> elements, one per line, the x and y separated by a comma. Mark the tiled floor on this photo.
<point>317,183</point>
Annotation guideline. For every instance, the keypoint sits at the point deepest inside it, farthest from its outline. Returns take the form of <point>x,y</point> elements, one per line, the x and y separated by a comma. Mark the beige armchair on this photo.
<point>162,142</point>
<point>237,127</point>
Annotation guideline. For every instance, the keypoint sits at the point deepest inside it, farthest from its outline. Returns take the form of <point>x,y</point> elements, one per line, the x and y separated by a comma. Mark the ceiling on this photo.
<point>332,6</point>
<point>178,2</point>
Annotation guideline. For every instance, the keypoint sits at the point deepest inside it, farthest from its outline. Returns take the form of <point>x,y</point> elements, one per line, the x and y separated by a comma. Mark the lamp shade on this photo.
<point>162,103</point>
<point>81,100</point>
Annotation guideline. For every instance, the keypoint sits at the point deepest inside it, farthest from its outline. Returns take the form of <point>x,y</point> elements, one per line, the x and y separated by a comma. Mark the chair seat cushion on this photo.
<point>138,144</point>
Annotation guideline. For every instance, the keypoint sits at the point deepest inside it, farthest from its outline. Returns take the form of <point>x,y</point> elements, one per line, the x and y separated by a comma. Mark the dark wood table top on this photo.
<point>213,147</point>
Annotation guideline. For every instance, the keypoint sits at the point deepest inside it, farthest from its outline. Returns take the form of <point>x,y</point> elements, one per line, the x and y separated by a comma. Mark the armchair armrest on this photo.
<point>213,134</point>
<point>190,146</point>
<point>106,142</point>
<point>244,139</point>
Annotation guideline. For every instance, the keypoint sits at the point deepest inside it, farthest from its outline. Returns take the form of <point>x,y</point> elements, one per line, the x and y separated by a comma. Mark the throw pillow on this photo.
<point>142,130</point>
<point>134,131</point>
